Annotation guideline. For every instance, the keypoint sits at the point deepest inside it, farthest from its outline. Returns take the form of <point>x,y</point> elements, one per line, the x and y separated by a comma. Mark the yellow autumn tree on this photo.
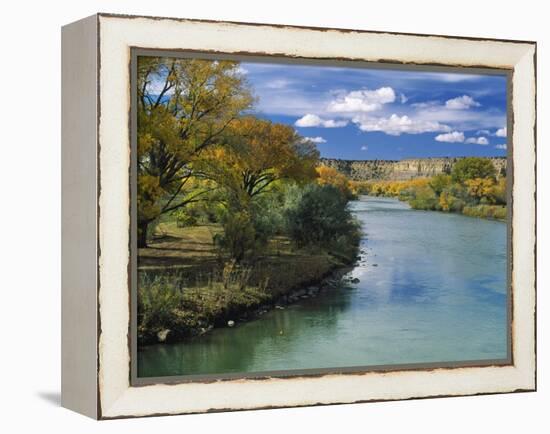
<point>480,188</point>
<point>184,106</point>
<point>330,176</point>
<point>258,153</point>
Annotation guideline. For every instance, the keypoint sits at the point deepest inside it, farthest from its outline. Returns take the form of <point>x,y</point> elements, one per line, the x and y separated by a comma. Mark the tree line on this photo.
<point>473,187</point>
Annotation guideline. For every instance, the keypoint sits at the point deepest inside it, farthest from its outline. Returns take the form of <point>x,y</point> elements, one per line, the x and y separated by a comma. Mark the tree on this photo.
<point>472,167</point>
<point>330,176</point>
<point>184,107</point>
<point>480,188</point>
<point>258,156</point>
<point>499,192</point>
<point>439,183</point>
<point>424,198</point>
<point>259,153</point>
<point>317,215</point>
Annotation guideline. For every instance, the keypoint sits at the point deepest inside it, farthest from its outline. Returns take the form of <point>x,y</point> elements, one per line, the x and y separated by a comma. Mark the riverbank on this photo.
<point>186,290</point>
<point>478,197</point>
<point>482,211</point>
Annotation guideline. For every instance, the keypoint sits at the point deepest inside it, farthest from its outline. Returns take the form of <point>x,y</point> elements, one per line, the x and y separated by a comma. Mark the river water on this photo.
<point>432,289</point>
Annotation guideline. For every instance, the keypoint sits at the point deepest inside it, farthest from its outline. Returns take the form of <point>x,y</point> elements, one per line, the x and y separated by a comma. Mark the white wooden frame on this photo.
<point>96,218</point>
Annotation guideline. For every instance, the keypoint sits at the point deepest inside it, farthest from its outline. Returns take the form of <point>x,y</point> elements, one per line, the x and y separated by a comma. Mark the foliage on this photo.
<point>424,198</point>
<point>472,183</point>
<point>184,107</point>
<point>258,153</point>
<point>187,217</point>
<point>247,230</point>
<point>486,211</point>
<point>472,167</point>
<point>330,176</point>
<point>168,302</point>
<point>156,303</point>
<point>250,171</point>
<point>239,235</point>
<point>317,216</point>
<point>439,183</point>
<point>268,213</point>
<point>450,203</point>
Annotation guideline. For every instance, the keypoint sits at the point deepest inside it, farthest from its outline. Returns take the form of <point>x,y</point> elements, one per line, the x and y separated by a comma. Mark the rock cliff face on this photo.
<point>364,170</point>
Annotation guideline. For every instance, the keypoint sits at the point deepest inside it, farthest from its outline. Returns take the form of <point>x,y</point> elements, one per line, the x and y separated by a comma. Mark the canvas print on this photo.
<point>303,217</point>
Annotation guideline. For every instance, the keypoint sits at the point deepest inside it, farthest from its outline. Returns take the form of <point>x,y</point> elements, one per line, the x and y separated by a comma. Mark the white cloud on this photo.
<point>317,139</point>
<point>362,100</point>
<point>396,125</point>
<point>239,69</point>
<point>461,103</point>
<point>502,146</point>
<point>403,98</point>
<point>364,148</point>
<point>483,132</point>
<point>478,140</point>
<point>277,84</point>
<point>425,104</point>
<point>462,120</point>
<point>308,120</point>
<point>452,137</point>
<point>311,120</point>
<point>331,123</point>
<point>501,132</point>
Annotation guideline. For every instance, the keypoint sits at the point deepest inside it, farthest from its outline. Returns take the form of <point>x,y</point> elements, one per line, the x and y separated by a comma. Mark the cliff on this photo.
<point>363,170</point>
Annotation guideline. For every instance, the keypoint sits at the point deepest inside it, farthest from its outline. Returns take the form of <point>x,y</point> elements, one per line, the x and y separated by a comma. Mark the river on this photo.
<point>432,289</point>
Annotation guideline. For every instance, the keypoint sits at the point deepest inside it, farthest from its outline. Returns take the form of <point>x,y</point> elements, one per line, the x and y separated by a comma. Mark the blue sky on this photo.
<point>360,113</point>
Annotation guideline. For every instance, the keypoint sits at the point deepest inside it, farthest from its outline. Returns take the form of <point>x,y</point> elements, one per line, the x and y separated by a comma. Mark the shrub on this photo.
<point>486,211</point>
<point>500,212</point>
<point>247,229</point>
<point>424,198</point>
<point>185,217</point>
<point>169,302</point>
<point>267,215</point>
<point>498,192</point>
<point>439,183</point>
<point>318,216</point>
<point>455,204</point>
<point>156,303</point>
<point>239,235</point>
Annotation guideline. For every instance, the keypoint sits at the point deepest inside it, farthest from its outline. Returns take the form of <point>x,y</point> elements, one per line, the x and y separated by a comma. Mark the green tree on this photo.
<point>184,107</point>
<point>317,215</point>
<point>439,183</point>
<point>472,167</point>
<point>424,198</point>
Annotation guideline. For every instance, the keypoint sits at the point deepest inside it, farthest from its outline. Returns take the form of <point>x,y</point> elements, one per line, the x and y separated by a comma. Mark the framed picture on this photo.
<point>261,216</point>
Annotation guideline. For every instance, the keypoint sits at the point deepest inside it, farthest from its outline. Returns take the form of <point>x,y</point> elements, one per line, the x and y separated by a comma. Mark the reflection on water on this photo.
<point>432,289</point>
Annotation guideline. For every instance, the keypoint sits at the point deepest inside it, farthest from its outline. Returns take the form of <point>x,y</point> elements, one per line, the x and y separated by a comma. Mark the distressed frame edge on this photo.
<point>304,27</point>
<point>79,270</point>
<point>528,48</point>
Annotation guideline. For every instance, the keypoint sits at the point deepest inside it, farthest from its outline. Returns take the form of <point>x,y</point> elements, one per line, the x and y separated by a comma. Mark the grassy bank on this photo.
<point>186,287</point>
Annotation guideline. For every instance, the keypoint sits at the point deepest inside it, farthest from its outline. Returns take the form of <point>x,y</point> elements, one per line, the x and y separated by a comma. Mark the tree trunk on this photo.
<point>142,234</point>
